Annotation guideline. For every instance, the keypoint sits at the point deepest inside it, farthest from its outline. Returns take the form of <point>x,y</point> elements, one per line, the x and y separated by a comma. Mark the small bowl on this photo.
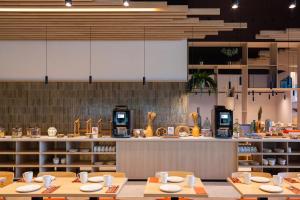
<point>277,150</point>
<point>265,150</point>
<point>265,162</point>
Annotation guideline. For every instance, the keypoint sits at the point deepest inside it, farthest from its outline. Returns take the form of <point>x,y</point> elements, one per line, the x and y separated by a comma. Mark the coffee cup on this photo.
<point>83,177</point>
<point>246,177</point>
<point>107,180</point>
<point>277,180</point>
<point>163,177</point>
<point>47,179</point>
<point>190,179</point>
<point>27,176</point>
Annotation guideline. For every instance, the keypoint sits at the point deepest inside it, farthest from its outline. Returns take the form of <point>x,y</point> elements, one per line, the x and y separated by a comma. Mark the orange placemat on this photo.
<point>200,190</point>
<point>290,180</point>
<point>294,190</point>
<point>153,180</point>
<point>76,180</point>
<point>235,180</point>
<point>50,189</point>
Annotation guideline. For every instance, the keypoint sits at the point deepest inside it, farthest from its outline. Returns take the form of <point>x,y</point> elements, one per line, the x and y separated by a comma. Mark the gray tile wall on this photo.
<point>29,104</point>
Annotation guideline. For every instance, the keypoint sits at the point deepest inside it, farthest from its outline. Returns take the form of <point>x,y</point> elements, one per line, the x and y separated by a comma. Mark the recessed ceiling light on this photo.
<point>235,4</point>
<point>126,3</point>
<point>292,4</point>
<point>68,3</point>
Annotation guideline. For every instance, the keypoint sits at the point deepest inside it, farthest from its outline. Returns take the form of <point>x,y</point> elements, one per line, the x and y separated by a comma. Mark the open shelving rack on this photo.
<point>37,156</point>
<point>292,158</point>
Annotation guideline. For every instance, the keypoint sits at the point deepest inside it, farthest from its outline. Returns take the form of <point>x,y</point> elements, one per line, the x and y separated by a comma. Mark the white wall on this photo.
<point>111,60</point>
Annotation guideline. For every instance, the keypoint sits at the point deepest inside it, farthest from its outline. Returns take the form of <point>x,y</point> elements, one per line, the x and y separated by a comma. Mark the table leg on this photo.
<point>94,198</point>
<point>262,198</point>
<point>36,198</point>
<point>174,198</point>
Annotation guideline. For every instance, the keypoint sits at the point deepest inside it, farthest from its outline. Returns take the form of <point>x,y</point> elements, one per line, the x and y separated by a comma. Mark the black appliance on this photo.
<point>122,122</point>
<point>222,122</point>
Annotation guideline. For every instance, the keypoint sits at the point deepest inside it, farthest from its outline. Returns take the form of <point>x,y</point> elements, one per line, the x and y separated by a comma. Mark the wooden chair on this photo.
<point>57,174</point>
<point>114,174</point>
<point>262,174</point>
<point>289,175</point>
<point>182,174</point>
<point>7,178</point>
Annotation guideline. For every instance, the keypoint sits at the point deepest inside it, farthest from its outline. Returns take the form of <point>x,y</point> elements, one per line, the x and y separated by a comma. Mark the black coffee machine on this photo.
<point>222,122</point>
<point>122,122</point>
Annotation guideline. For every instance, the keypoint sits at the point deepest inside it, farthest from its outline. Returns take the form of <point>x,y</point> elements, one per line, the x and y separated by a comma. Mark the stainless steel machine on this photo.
<point>222,122</point>
<point>122,122</point>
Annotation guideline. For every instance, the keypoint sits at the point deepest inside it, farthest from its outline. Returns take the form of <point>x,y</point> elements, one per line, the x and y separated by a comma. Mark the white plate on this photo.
<point>40,179</point>
<point>28,188</point>
<point>260,179</point>
<point>271,188</point>
<point>175,179</point>
<point>170,188</point>
<point>96,179</point>
<point>91,187</point>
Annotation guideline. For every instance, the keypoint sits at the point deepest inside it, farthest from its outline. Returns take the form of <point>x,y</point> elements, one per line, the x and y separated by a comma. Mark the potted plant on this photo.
<point>200,82</point>
<point>230,52</point>
<point>229,101</point>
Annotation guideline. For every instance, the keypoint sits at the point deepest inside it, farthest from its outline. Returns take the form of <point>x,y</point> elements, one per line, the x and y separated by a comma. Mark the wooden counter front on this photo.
<point>207,159</point>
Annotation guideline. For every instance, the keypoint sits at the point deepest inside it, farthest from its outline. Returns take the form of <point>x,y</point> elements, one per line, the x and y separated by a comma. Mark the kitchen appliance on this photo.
<point>222,122</point>
<point>122,123</point>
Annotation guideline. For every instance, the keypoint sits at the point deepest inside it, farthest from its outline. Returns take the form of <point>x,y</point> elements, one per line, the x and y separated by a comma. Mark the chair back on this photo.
<point>6,178</point>
<point>114,174</point>
<point>262,174</point>
<point>58,174</point>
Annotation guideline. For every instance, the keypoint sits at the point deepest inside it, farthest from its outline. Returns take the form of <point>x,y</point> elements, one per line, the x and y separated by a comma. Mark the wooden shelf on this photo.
<point>273,89</point>
<point>215,66</point>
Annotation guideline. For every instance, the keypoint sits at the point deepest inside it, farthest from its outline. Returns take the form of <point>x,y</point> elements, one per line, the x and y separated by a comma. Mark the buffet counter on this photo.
<point>210,158</point>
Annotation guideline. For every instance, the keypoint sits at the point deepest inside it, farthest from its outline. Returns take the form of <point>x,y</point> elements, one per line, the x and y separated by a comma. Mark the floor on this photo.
<point>133,190</point>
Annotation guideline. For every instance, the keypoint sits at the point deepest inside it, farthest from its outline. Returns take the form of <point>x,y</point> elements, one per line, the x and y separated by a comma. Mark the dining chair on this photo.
<point>113,174</point>
<point>289,175</point>
<point>262,174</point>
<point>57,174</point>
<point>182,174</point>
<point>6,179</point>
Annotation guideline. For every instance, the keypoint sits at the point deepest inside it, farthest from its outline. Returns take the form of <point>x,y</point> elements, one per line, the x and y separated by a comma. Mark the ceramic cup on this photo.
<point>289,150</point>
<point>47,179</point>
<point>163,177</point>
<point>56,161</point>
<point>27,176</point>
<point>277,180</point>
<point>63,161</point>
<point>190,179</point>
<point>107,180</point>
<point>83,177</point>
<point>246,177</point>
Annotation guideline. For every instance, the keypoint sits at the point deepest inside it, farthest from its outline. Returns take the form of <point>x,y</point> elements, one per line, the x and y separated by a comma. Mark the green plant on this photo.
<point>202,81</point>
<point>230,52</point>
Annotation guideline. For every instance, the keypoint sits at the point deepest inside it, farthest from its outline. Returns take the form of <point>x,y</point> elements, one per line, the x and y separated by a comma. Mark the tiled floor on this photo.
<point>134,191</point>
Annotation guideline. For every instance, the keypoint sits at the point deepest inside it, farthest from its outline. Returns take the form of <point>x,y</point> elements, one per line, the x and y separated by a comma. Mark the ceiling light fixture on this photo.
<point>68,3</point>
<point>46,60</point>
<point>90,77</point>
<point>292,4</point>
<point>126,3</point>
<point>235,4</point>
<point>144,77</point>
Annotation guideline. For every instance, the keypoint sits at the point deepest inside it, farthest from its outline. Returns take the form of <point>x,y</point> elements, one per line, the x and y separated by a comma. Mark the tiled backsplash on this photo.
<point>29,104</point>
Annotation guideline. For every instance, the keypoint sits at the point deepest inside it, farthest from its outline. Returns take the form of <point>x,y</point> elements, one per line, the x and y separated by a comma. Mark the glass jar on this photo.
<point>33,132</point>
<point>2,132</point>
<point>16,133</point>
<point>236,129</point>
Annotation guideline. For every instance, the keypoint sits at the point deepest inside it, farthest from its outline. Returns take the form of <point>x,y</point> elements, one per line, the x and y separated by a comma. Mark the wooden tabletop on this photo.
<point>152,190</point>
<point>252,190</point>
<point>67,189</point>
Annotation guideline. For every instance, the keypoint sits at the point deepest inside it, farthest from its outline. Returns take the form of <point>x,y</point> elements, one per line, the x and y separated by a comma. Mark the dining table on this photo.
<point>152,189</point>
<point>64,187</point>
<point>252,190</point>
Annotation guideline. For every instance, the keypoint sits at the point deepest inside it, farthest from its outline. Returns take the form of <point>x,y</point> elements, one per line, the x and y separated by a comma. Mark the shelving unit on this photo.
<point>20,156</point>
<point>292,158</point>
